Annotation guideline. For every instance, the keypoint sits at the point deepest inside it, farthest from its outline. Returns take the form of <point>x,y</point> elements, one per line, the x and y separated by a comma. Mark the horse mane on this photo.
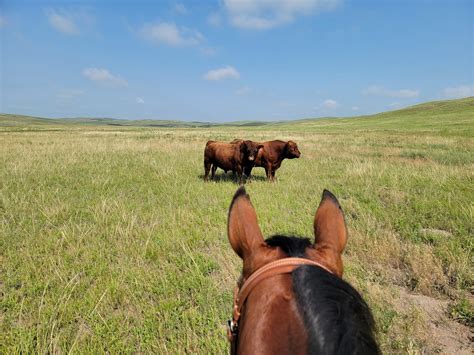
<point>338,320</point>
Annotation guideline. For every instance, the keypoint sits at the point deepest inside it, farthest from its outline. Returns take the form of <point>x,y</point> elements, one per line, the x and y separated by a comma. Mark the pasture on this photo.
<point>112,242</point>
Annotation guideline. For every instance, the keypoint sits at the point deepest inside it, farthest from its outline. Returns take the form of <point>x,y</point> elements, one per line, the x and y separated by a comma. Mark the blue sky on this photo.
<point>232,59</point>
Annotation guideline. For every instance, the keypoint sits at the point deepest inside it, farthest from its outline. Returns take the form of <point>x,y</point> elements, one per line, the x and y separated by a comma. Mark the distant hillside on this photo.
<point>449,116</point>
<point>136,123</point>
<point>21,120</point>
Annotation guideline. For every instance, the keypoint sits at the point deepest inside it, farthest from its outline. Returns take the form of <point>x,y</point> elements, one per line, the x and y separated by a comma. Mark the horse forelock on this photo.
<point>291,246</point>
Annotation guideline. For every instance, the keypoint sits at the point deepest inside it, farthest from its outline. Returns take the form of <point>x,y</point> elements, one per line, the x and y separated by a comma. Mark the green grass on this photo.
<point>111,242</point>
<point>463,311</point>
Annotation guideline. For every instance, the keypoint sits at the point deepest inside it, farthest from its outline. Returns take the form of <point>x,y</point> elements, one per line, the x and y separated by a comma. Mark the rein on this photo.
<point>281,266</point>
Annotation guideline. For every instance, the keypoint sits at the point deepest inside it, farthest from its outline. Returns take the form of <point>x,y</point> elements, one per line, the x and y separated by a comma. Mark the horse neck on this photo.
<point>270,321</point>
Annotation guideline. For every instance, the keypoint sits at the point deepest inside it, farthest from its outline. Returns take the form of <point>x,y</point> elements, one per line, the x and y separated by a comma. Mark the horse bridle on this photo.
<point>281,266</point>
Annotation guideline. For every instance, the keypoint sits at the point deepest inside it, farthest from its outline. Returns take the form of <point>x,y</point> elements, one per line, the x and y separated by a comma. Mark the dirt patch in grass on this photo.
<point>442,334</point>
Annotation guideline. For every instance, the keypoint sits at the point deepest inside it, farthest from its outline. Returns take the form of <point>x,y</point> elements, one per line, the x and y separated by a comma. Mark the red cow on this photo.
<point>272,155</point>
<point>229,156</point>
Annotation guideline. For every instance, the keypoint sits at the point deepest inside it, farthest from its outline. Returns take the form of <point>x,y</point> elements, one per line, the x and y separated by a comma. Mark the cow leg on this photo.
<point>268,171</point>
<point>207,167</point>
<point>213,171</point>
<point>248,171</point>
<point>240,175</point>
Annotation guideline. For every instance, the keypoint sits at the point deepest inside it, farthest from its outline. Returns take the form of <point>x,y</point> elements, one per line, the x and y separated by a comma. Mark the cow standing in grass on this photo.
<point>230,156</point>
<point>272,155</point>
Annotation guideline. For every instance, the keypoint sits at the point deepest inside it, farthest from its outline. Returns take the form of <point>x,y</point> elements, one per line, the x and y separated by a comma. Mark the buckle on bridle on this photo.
<point>232,329</point>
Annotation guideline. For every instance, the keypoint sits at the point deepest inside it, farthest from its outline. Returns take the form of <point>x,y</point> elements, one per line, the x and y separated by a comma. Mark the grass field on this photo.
<point>112,242</point>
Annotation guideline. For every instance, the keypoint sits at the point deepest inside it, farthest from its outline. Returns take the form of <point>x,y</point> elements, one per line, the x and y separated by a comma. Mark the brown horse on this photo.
<point>290,298</point>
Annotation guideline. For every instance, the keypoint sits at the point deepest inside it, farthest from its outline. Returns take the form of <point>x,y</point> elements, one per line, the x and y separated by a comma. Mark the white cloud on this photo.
<point>104,77</point>
<point>326,106</point>
<point>180,9</point>
<point>459,91</point>
<point>3,21</point>
<point>170,34</point>
<point>394,105</point>
<point>227,72</point>
<point>63,22</point>
<point>376,90</point>
<point>140,100</point>
<point>265,14</point>
<point>355,108</point>
<point>330,104</point>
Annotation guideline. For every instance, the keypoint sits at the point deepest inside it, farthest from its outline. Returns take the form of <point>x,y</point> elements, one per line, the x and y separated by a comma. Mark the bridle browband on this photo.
<point>277,267</point>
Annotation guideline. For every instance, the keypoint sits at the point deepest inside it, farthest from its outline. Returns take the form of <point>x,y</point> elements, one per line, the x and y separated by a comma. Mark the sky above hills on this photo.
<point>232,59</point>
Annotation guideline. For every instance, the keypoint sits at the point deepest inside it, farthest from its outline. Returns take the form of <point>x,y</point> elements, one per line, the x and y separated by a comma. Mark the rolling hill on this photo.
<point>446,117</point>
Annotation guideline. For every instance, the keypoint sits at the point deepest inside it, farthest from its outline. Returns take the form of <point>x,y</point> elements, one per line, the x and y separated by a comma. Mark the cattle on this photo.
<point>229,156</point>
<point>272,155</point>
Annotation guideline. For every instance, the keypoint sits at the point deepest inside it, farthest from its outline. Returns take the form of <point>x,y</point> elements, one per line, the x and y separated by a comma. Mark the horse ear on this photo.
<point>242,227</point>
<point>330,231</point>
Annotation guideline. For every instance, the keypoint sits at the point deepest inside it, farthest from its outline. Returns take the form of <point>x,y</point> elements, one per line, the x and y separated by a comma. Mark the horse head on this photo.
<point>290,297</point>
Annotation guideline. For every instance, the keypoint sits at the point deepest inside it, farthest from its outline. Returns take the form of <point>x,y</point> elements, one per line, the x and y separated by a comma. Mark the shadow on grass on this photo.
<point>229,177</point>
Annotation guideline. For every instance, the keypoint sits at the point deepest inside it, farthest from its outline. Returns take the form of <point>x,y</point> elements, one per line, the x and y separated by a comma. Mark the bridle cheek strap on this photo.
<point>281,266</point>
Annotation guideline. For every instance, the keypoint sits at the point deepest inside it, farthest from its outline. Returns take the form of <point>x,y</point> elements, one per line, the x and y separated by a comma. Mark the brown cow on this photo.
<point>229,156</point>
<point>271,156</point>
